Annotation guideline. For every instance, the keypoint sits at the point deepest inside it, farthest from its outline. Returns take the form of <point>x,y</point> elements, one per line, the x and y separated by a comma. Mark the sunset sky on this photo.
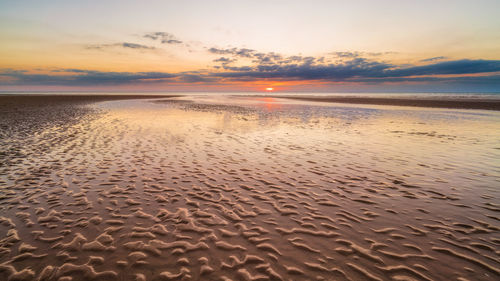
<point>316,46</point>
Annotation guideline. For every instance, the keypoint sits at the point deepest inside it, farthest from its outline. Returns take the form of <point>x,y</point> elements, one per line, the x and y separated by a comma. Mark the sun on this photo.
<point>269,89</point>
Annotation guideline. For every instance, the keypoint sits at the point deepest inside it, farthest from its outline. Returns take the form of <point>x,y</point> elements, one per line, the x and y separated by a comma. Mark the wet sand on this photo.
<point>242,188</point>
<point>464,103</point>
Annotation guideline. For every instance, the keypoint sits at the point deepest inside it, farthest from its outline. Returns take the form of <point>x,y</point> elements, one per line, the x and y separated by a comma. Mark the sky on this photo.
<point>227,46</point>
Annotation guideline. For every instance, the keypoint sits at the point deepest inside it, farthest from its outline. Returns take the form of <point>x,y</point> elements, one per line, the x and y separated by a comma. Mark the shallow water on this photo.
<point>253,188</point>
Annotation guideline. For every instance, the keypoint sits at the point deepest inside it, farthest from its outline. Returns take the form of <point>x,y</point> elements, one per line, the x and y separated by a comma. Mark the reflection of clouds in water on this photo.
<point>270,111</point>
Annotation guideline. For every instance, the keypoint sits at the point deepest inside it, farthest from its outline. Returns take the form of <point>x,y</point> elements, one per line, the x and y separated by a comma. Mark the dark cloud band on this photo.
<point>275,67</point>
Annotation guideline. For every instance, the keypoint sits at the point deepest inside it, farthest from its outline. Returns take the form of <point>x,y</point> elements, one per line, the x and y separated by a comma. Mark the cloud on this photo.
<point>135,46</point>
<point>80,77</point>
<point>243,52</point>
<point>305,68</point>
<point>224,60</point>
<point>308,69</point>
<point>359,54</point>
<point>275,67</point>
<point>122,45</point>
<point>347,54</point>
<point>260,58</point>
<point>455,67</point>
<point>434,59</point>
<point>196,78</point>
<point>489,79</point>
<point>163,37</point>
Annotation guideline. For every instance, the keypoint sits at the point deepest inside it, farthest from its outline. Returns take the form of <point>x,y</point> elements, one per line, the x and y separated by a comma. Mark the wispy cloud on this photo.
<point>434,59</point>
<point>243,52</point>
<point>357,54</point>
<point>163,37</point>
<point>224,61</point>
<point>126,45</point>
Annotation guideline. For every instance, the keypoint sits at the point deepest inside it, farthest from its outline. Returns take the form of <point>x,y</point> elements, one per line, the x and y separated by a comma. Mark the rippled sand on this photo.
<point>241,188</point>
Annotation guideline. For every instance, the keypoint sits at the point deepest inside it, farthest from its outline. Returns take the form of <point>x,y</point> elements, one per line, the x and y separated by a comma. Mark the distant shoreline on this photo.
<point>441,102</point>
<point>33,99</point>
<point>465,103</point>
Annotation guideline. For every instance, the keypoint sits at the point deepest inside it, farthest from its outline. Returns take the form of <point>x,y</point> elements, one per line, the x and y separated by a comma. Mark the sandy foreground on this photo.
<point>246,188</point>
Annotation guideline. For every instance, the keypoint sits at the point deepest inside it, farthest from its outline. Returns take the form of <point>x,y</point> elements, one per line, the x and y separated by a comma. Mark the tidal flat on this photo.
<point>215,187</point>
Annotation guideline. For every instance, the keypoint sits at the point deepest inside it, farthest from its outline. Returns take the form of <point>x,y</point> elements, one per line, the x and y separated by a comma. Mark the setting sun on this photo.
<point>269,89</point>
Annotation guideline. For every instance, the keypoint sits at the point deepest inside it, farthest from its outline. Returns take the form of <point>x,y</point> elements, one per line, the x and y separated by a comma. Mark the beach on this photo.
<point>221,187</point>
